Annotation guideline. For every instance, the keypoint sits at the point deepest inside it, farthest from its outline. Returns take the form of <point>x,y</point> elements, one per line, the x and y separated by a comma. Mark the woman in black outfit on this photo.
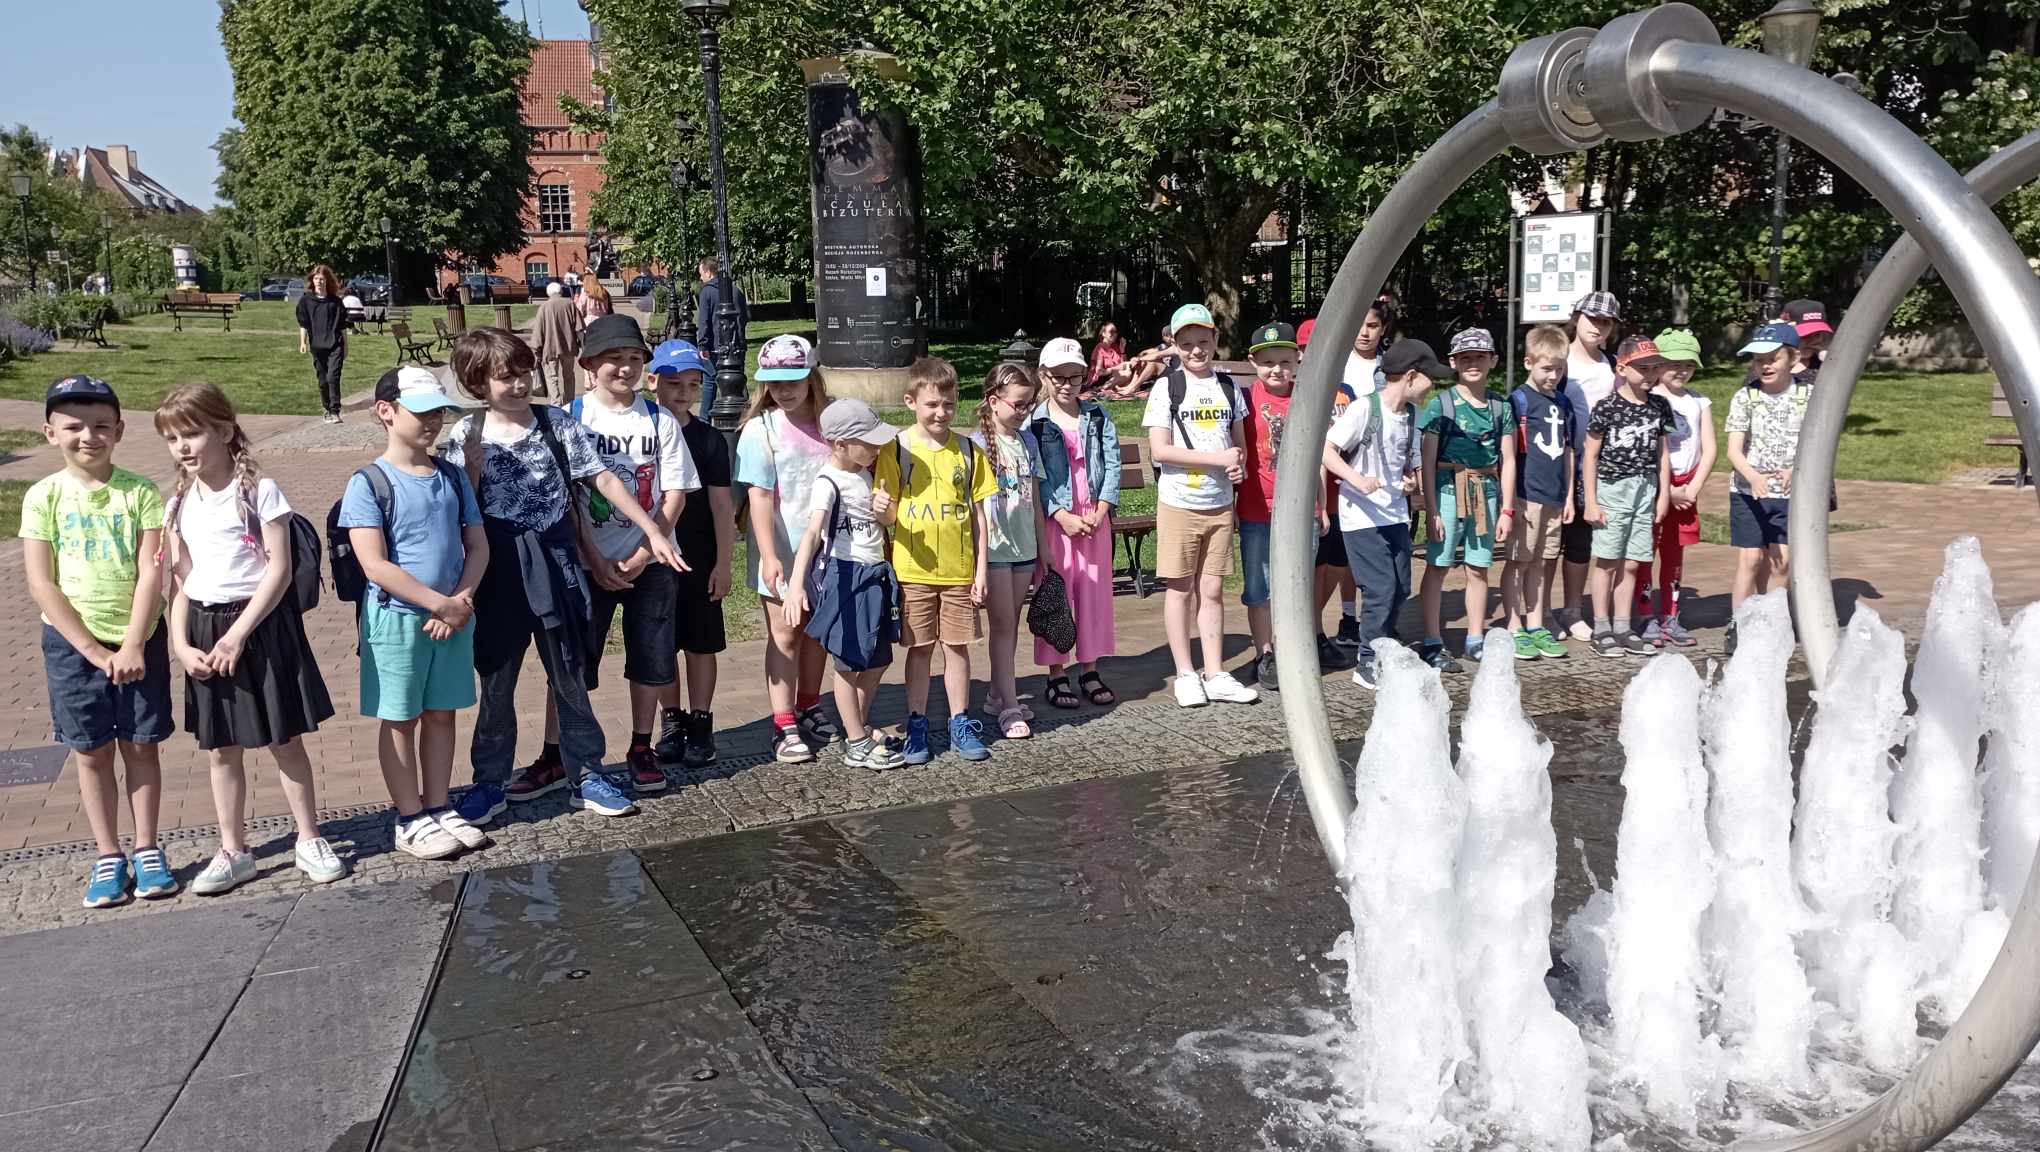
<point>322,331</point>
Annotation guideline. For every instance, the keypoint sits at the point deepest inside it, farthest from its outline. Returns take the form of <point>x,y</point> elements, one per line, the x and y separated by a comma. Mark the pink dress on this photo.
<point>1086,565</point>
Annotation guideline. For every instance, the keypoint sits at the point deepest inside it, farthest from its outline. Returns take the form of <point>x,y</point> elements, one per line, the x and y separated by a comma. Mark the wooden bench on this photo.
<point>409,347</point>
<point>1132,532</point>
<point>91,328</point>
<point>2001,408</point>
<point>221,304</point>
<point>510,294</point>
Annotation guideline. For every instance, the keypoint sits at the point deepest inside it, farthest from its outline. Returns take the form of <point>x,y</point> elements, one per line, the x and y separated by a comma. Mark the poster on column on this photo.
<point>1558,265</point>
<point>864,184</point>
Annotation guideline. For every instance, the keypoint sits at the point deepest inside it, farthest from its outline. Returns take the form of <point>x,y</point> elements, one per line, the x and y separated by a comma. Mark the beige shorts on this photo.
<point>1534,535</point>
<point>1192,543</point>
<point>936,613</point>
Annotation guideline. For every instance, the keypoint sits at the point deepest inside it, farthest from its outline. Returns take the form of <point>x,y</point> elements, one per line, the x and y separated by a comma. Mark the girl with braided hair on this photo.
<point>250,680</point>
<point>1013,530</point>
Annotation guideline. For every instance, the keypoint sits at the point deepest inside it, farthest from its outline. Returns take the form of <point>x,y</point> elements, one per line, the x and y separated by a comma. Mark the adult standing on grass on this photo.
<point>592,302</point>
<point>322,331</point>
<point>556,337</point>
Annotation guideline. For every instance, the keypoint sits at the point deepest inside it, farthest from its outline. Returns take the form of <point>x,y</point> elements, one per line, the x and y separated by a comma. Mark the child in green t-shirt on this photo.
<point>1470,496</point>
<point>90,537</point>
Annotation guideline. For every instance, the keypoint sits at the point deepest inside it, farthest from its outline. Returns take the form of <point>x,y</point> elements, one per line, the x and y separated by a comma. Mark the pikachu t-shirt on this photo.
<point>1204,423</point>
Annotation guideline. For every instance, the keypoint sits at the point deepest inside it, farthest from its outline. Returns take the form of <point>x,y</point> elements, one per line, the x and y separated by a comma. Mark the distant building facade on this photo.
<point>566,163</point>
<point>117,168</point>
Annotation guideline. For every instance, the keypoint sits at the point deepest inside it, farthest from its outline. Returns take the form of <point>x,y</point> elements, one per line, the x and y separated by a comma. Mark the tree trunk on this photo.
<point>1214,246</point>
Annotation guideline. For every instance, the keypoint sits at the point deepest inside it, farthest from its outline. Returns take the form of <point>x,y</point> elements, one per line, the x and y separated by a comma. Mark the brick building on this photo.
<point>566,164</point>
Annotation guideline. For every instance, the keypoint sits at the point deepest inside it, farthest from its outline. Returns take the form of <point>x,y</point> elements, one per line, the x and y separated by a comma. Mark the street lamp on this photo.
<point>682,178</point>
<point>1790,29</point>
<point>106,227</point>
<point>384,226</point>
<point>728,406</point>
<point>20,183</point>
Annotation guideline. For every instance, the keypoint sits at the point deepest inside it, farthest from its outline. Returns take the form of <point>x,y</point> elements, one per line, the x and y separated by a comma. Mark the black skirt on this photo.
<point>275,694</point>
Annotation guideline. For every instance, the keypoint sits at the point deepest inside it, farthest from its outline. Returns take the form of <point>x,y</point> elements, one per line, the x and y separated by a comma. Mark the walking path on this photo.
<point>44,839</point>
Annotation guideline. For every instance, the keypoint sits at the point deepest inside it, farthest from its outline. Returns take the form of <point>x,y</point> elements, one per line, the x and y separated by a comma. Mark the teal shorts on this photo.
<point>1459,533</point>
<point>405,672</point>
<point>1630,505</point>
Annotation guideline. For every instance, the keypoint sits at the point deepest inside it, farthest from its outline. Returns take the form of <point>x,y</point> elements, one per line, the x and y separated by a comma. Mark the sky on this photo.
<point>149,74</point>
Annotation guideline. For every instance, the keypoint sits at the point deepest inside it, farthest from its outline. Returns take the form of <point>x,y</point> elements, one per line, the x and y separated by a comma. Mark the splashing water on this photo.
<point>1935,797</point>
<point>1401,848</point>
<point>1843,842</point>
<point>1532,1064</point>
<point>2011,782</point>
<point>1766,1004</point>
<point>1664,880</point>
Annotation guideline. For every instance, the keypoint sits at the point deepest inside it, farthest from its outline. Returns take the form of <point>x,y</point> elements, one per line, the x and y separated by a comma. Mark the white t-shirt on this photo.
<point>1360,373</point>
<point>855,535</point>
<point>1587,383</point>
<point>1209,425</point>
<point>1383,460</point>
<point>642,445</point>
<point>1684,442</point>
<point>225,564</point>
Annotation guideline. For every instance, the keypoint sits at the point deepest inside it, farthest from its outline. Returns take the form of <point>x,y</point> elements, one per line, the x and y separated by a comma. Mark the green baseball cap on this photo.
<point>1192,316</point>
<point>1679,345</point>
<point>1275,335</point>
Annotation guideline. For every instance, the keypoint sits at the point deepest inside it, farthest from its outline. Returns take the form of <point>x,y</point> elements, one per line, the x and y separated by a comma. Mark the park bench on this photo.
<point>2001,408</point>
<point>221,304</point>
<point>443,338</point>
<point>1132,532</point>
<point>81,329</point>
<point>510,294</point>
<point>409,347</point>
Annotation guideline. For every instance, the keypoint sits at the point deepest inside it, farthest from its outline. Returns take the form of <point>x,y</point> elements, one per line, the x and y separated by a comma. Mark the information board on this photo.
<point>1558,265</point>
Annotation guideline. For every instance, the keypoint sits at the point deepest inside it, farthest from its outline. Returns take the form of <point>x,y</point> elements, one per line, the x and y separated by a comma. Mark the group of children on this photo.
<point>528,524</point>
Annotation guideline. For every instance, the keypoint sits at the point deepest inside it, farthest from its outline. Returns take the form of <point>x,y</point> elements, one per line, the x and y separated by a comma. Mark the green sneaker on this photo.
<point>1548,645</point>
<point>1526,647</point>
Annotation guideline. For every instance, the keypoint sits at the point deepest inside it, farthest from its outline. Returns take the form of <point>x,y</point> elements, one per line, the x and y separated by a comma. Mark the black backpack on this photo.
<point>350,583</point>
<point>304,548</point>
<point>1179,387</point>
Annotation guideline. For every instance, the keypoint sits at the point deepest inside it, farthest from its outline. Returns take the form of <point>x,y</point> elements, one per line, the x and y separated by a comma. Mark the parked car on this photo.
<point>277,288</point>
<point>644,284</point>
<point>372,288</point>
<point>482,288</point>
<point>536,283</point>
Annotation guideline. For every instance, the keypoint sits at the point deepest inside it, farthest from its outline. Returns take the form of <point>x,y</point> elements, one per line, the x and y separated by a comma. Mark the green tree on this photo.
<point>352,110</point>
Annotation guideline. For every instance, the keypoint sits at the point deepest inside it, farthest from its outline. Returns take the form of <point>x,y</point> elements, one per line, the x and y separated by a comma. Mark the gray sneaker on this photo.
<point>1264,672</point>
<point>1652,634</point>
<point>1675,633</point>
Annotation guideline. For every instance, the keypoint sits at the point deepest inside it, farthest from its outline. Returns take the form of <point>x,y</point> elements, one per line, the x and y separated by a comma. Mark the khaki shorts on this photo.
<point>1192,543</point>
<point>932,613</point>
<point>1534,535</point>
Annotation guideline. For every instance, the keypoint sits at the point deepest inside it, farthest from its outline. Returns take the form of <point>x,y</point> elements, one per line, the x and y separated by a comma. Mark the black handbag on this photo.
<point>1049,615</point>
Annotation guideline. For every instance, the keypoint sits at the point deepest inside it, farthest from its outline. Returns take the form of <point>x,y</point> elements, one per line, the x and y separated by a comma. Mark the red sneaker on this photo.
<point>645,773</point>
<point>543,775</point>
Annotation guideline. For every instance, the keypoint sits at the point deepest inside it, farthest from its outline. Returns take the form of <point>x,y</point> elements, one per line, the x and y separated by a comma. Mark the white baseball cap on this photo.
<point>1062,352</point>
<point>415,388</point>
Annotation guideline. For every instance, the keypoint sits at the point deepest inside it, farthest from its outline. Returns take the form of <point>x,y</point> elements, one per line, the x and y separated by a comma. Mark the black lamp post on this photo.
<point>106,227</point>
<point>389,259</point>
<point>20,183</point>
<point>729,352</point>
<point>1790,29</point>
<point>677,280</point>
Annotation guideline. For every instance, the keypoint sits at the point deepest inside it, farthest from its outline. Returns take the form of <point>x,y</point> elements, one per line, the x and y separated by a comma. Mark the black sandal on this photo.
<point>1061,695</point>
<point>1094,687</point>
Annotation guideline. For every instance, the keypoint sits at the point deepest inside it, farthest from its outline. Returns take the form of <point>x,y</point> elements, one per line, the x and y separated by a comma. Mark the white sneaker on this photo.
<point>317,860</point>
<point>457,827</point>
<point>1226,690</point>
<point>226,872</point>
<point>421,836</point>
<point>1190,690</point>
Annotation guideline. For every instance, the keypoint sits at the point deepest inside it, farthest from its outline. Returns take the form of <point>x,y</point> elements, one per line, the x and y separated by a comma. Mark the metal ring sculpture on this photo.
<point>2005,171</point>
<point>1648,75</point>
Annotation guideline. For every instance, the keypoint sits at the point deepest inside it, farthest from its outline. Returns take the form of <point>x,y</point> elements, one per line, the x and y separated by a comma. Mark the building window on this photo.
<point>555,208</point>
<point>535,268</point>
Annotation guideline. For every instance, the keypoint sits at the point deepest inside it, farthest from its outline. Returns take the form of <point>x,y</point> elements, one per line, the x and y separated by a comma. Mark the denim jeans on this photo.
<point>494,748</point>
<point>1380,559</point>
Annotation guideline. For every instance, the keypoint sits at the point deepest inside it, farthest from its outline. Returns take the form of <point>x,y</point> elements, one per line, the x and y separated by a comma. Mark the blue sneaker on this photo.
<point>600,795</point>
<point>153,880</point>
<point>481,804</point>
<point>916,750</point>
<point>109,886</point>
<point>967,736</point>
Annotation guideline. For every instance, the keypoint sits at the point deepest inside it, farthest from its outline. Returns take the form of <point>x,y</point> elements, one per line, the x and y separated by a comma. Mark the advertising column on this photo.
<point>864,177</point>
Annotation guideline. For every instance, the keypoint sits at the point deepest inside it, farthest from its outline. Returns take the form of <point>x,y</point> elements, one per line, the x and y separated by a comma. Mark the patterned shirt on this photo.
<point>1630,434</point>
<point>1770,424</point>
<point>520,480</point>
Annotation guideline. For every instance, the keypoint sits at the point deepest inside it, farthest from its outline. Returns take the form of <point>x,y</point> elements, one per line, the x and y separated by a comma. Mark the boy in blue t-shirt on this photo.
<point>423,563</point>
<point>1545,478</point>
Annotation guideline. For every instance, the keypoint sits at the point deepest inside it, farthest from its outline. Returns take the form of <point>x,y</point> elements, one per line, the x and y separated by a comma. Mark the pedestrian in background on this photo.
<point>556,338</point>
<point>322,332</point>
<point>716,288</point>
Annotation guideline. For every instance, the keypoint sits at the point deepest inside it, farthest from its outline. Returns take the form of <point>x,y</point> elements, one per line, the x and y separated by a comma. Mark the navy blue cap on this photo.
<point>677,356</point>
<point>90,389</point>
<point>1770,338</point>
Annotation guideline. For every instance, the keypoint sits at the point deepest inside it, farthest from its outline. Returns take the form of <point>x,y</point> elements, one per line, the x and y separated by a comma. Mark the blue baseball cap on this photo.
<point>676,356</point>
<point>1770,338</point>
<point>81,389</point>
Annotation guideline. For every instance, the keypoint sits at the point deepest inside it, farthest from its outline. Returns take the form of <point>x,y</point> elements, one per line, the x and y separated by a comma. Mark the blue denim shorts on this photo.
<point>87,709</point>
<point>854,619</point>
<point>1254,562</point>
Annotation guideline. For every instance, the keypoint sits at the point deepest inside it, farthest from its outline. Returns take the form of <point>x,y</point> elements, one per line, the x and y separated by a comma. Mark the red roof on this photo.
<point>558,66</point>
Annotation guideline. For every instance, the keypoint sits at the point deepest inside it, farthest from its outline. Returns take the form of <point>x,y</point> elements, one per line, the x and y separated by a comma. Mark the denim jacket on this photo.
<point>1101,457</point>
